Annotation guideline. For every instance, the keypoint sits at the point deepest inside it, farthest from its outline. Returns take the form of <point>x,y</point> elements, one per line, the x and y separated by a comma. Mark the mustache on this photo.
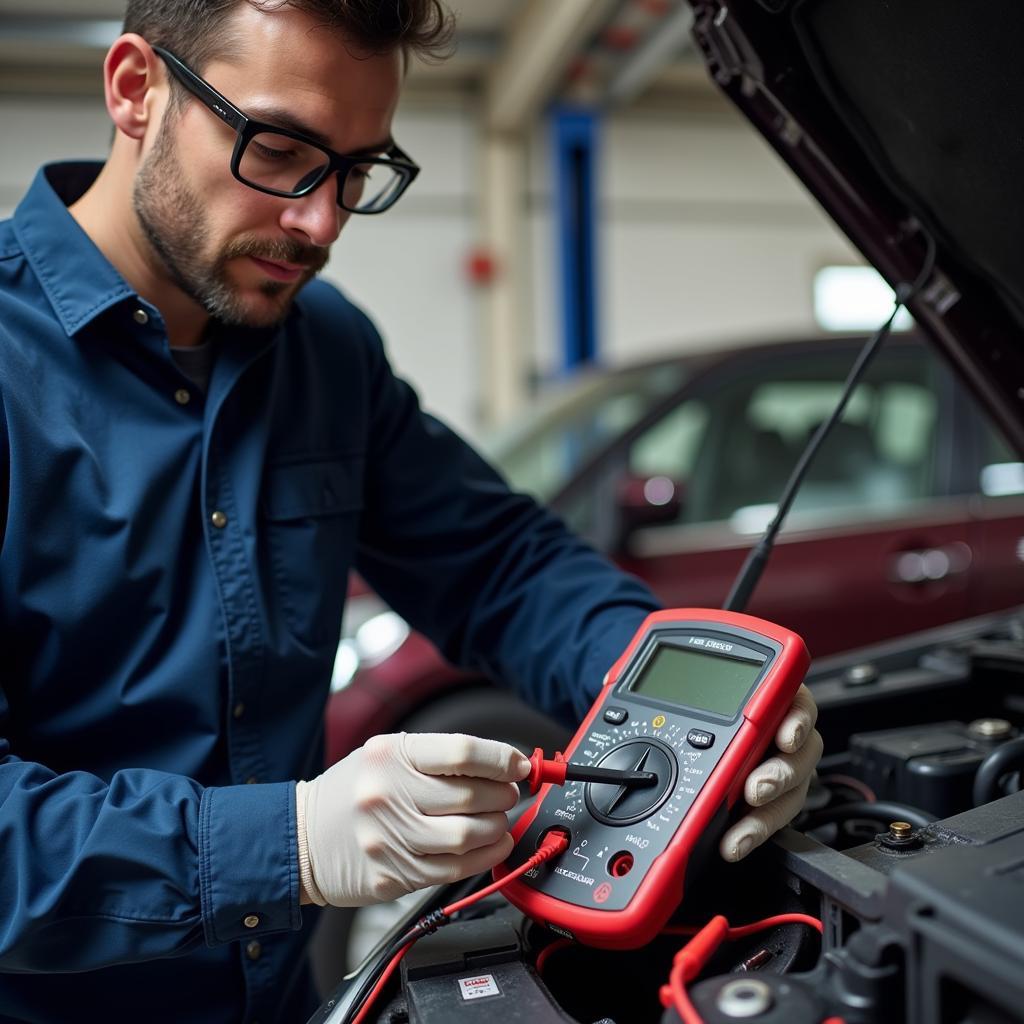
<point>281,250</point>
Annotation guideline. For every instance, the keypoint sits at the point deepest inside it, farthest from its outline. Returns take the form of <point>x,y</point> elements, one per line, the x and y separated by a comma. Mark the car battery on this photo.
<point>473,972</point>
<point>928,766</point>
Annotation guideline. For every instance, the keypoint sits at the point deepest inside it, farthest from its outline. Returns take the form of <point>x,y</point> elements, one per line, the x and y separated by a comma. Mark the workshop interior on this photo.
<point>638,212</point>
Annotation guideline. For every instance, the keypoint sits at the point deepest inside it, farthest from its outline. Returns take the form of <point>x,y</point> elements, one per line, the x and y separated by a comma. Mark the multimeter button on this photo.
<point>700,739</point>
<point>616,716</point>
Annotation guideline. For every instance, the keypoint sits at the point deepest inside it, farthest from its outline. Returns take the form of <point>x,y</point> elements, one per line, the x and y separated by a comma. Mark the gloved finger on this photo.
<point>795,728</point>
<point>457,833</point>
<point>458,754</point>
<point>433,795</point>
<point>783,772</point>
<point>754,828</point>
<point>449,867</point>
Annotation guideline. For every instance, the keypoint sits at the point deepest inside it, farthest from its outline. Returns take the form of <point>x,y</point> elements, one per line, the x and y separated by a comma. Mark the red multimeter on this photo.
<point>695,699</point>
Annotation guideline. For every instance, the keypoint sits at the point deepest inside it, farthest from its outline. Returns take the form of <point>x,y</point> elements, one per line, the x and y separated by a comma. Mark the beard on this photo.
<point>175,223</point>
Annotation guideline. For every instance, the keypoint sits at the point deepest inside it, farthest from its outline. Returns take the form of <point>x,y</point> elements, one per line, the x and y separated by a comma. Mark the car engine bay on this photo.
<point>910,851</point>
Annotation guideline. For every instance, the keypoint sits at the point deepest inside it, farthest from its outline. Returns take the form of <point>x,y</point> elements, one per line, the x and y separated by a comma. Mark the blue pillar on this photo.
<point>574,141</point>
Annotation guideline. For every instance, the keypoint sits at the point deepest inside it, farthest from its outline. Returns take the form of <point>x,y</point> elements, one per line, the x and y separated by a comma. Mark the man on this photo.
<point>199,443</point>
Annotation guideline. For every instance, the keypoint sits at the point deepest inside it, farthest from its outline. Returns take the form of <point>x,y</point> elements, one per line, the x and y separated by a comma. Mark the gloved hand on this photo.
<point>776,788</point>
<point>406,811</point>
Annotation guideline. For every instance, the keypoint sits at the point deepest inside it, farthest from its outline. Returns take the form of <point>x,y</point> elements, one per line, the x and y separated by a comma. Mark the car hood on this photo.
<point>905,120</point>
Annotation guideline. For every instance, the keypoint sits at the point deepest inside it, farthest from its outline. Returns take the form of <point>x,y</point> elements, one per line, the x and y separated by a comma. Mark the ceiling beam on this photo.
<point>666,41</point>
<point>540,46</point>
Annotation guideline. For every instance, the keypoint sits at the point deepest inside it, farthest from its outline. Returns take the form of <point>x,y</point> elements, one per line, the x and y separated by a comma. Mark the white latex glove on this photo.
<point>406,811</point>
<point>776,788</point>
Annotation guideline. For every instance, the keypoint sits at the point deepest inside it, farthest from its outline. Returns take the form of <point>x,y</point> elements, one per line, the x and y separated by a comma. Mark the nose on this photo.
<point>315,219</point>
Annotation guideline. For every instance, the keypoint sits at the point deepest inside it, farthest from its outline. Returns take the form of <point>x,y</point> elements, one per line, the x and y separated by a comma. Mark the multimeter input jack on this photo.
<point>557,830</point>
<point>621,864</point>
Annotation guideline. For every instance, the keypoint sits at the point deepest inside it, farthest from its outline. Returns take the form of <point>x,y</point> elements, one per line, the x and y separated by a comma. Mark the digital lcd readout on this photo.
<point>697,680</point>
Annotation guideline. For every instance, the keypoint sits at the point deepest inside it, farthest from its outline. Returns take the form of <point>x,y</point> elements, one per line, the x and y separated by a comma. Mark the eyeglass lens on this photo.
<point>289,166</point>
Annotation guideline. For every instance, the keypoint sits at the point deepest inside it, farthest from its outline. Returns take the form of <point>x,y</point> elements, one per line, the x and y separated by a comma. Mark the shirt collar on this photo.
<point>78,279</point>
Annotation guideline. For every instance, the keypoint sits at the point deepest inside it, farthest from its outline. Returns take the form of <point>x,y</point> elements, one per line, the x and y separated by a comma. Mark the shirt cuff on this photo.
<point>248,861</point>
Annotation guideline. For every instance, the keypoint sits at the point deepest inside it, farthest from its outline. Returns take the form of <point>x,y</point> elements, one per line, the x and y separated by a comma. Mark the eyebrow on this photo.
<point>277,117</point>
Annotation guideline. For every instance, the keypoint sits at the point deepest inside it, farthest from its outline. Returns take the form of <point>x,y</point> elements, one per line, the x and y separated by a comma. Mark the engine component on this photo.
<point>929,766</point>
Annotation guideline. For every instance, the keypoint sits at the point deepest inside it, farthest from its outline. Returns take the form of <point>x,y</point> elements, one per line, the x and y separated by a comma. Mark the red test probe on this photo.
<point>558,771</point>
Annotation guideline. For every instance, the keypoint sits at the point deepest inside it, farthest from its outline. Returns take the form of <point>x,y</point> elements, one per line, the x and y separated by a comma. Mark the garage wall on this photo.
<point>703,237</point>
<point>44,130</point>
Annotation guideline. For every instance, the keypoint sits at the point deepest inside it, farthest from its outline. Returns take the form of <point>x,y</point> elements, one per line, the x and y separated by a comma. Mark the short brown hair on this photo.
<point>190,28</point>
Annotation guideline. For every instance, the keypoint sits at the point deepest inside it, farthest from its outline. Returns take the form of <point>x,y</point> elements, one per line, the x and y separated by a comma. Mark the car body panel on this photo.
<point>839,585</point>
<point>850,568</point>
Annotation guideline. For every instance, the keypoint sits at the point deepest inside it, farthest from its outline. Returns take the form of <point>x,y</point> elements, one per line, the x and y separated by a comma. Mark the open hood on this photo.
<point>905,119</point>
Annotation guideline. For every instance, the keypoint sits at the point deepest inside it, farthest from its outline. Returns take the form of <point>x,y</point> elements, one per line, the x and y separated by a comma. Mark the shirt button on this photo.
<point>251,781</point>
<point>238,710</point>
<point>219,519</point>
<point>251,920</point>
<point>253,950</point>
<point>140,316</point>
<point>182,397</point>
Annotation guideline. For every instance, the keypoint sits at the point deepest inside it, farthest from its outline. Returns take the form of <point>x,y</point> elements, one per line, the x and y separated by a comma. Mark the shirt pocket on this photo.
<point>310,512</point>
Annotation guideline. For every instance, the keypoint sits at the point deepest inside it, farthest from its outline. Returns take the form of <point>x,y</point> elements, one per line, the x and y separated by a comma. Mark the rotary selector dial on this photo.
<point>626,805</point>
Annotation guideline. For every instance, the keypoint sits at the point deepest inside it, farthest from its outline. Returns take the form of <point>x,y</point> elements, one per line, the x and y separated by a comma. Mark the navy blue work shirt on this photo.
<point>172,579</point>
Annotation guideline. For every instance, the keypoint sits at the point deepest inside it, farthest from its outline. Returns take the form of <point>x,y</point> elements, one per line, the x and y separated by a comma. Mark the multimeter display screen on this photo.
<point>706,681</point>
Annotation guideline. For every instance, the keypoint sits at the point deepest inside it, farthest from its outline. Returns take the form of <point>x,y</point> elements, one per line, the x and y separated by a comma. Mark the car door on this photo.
<point>997,572</point>
<point>875,544</point>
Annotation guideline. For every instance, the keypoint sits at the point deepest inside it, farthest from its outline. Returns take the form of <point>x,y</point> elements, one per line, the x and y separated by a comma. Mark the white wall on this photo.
<point>407,267</point>
<point>37,131</point>
<point>704,236</point>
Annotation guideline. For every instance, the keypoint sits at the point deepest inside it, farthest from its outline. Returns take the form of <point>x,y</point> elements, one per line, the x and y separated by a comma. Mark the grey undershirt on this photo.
<point>196,362</point>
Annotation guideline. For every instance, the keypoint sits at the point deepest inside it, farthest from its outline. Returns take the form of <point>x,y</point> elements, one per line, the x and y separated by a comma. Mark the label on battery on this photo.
<point>478,987</point>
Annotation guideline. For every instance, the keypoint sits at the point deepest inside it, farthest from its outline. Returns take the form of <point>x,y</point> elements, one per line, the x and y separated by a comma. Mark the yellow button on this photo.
<point>251,920</point>
<point>238,710</point>
<point>659,721</point>
<point>253,950</point>
<point>219,519</point>
<point>140,316</point>
<point>182,397</point>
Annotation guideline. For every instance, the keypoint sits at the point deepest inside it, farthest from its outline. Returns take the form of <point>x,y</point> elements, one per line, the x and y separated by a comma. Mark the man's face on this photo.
<point>240,254</point>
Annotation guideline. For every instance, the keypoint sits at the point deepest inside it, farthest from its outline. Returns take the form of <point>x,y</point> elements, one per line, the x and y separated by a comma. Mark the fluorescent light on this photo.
<point>855,299</point>
<point>1002,478</point>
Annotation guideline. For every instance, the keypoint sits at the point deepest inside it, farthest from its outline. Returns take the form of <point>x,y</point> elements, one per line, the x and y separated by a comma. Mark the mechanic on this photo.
<point>200,440</point>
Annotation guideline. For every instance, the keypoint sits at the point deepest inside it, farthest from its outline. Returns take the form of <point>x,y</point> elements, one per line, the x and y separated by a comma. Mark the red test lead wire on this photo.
<point>690,960</point>
<point>553,844</point>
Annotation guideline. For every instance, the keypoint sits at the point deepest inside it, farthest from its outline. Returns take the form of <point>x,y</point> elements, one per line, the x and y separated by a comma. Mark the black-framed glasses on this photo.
<point>286,163</point>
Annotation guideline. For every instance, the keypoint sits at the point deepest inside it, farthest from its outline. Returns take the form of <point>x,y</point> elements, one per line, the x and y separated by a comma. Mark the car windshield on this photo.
<point>546,445</point>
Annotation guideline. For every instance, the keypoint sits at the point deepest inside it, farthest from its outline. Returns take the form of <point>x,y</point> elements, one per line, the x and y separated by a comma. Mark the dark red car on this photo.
<point>911,516</point>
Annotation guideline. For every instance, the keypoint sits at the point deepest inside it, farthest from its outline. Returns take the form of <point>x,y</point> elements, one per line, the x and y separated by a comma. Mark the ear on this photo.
<point>133,75</point>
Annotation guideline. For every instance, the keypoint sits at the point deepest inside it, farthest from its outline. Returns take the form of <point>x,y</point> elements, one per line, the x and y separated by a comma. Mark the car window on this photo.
<point>734,447</point>
<point>670,447</point>
<point>546,448</point>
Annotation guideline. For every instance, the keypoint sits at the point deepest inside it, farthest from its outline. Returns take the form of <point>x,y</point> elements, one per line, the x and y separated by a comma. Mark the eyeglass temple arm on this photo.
<point>225,110</point>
